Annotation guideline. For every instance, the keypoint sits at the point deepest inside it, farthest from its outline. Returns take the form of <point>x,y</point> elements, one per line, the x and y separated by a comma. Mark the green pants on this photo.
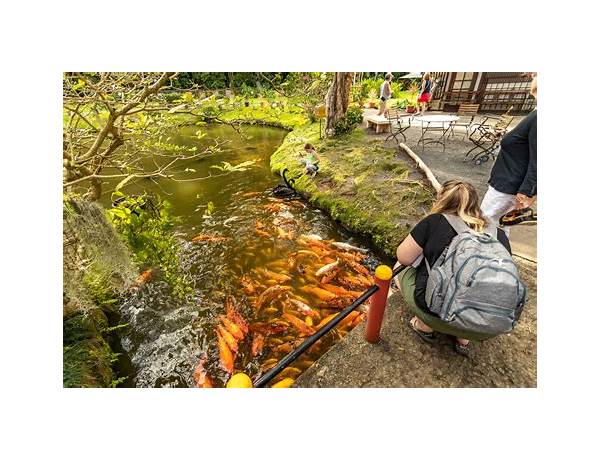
<point>407,280</point>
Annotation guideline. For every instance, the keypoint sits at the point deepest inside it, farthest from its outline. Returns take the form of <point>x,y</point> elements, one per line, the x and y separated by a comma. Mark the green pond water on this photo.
<point>166,338</point>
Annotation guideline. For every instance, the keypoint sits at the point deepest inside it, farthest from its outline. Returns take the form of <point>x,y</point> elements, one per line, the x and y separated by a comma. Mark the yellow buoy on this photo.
<point>383,272</point>
<point>239,380</point>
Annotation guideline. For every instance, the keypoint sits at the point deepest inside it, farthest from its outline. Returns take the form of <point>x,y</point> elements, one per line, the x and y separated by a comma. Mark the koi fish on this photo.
<point>339,303</point>
<point>201,377</point>
<point>234,315</point>
<point>322,294</point>
<point>261,233</point>
<point>347,321</point>
<point>299,324</point>
<point>285,383</point>
<point>229,339</point>
<point>258,342</point>
<point>358,268</point>
<point>340,290</point>
<point>282,234</point>
<point>247,285</point>
<point>327,268</point>
<point>302,307</point>
<point>144,277</point>
<point>348,247</point>
<point>311,236</point>
<point>208,239</point>
<point>231,219</point>
<point>233,328</point>
<point>326,320</point>
<point>270,294</point>
<point>305,252</point>
<point>351,257</point>
<point>329,277</point>
<point>225,354</point>
<point>279,277</point>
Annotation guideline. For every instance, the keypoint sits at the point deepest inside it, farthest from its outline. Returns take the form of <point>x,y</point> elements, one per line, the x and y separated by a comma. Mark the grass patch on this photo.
<point>372,193</point>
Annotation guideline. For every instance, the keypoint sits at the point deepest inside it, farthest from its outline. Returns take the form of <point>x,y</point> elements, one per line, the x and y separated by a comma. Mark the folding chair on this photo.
<point>466,110</point>
<point>487,136</point>
<point>398,124</point>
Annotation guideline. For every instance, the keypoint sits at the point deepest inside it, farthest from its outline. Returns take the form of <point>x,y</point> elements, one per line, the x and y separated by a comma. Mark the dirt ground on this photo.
<point>402,359</point>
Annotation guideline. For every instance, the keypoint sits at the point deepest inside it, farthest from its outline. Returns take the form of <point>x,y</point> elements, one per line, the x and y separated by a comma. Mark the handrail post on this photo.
<point>383,279</point>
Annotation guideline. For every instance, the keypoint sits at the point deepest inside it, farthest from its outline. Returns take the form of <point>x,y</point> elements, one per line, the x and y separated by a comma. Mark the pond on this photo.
<point>266,272</point>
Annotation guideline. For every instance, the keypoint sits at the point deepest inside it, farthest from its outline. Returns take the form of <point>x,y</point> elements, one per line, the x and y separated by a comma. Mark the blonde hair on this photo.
<point>460,198</point>
<point>427,76</point>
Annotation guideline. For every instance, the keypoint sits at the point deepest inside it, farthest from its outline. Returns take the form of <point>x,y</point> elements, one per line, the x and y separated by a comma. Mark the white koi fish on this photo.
<point>327,268</point>
<point>348,247</point>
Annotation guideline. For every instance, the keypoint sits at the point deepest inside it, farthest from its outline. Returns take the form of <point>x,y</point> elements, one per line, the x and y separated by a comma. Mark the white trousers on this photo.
<point>495,204</point>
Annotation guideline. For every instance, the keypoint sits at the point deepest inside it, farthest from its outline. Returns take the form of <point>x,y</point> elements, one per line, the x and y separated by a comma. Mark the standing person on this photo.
<point>424,93</point>
<point>385,92</point>
<point>513,180</point>
<point>430,238</point>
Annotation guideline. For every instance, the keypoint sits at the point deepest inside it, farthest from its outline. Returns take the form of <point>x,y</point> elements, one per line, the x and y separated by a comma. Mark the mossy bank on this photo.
<point>365,186</point>
<point>97,270</point>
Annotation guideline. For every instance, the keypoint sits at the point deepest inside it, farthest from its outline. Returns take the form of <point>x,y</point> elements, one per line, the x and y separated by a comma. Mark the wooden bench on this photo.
<point>380,122</point>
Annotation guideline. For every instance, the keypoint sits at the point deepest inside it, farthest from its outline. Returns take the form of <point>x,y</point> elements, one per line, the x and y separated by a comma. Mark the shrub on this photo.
<point>352,119</point>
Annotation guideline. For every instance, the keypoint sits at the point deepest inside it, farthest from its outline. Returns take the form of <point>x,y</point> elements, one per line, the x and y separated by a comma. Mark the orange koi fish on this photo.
<point>299,325</point>
<point>322,294</point>
<point>144,277</point>
<point>326,320</point>
<point>229,339</point>
<point>338,290</point>
<point>247,285</point>
<point>261,233</point>
<point>358,268</point>
<point>258,341</point>
<point>270,294</point>
<point>329,277</point>
<point>233,328</point>
<point>279,277</point>
<point>201,377</point>
<point>225,354</point>
<point>251,194</point>
<point>234,315</point>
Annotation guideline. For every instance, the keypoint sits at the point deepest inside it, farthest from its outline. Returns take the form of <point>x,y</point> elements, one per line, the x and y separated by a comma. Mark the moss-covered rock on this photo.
<point>365,186</point>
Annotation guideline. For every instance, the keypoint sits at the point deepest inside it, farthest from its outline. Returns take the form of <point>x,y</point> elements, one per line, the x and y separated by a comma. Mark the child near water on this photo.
<point>310,159</point>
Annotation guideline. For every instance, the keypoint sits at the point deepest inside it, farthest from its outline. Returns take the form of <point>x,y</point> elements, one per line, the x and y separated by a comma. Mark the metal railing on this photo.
<point>374,319</point>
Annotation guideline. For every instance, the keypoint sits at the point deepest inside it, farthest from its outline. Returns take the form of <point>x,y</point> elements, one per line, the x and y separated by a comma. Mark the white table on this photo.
<point>433,123</point>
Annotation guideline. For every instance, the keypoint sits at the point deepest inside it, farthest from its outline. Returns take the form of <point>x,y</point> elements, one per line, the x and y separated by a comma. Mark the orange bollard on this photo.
<point>383,279</point>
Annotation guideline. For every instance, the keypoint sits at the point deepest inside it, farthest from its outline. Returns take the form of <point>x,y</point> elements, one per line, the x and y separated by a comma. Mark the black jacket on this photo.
<point>515,170</point>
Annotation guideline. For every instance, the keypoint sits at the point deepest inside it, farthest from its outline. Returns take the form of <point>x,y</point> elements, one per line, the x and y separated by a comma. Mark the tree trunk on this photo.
<point>337,100</point>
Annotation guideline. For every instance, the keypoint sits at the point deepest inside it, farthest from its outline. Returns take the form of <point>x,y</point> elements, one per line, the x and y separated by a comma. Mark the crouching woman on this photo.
<point>429,238</point>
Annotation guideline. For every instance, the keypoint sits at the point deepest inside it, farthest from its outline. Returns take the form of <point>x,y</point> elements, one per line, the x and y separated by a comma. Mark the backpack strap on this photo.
<point>459,226</point>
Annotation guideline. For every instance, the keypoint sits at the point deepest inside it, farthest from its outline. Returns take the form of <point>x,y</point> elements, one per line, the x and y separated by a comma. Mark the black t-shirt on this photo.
<point>434,234</point>
<point>515,170</point>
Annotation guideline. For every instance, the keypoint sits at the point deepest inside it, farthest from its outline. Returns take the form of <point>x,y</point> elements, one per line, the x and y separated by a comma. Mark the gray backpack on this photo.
<point>475,285</point>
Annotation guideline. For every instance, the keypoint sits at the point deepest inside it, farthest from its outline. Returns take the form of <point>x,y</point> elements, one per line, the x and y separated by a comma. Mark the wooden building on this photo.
<point>493,91</point>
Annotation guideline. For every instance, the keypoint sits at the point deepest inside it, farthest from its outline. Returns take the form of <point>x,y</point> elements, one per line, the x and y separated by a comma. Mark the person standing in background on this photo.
<point>385,93</point>
<point>513,180</point>
<point>424,93</point>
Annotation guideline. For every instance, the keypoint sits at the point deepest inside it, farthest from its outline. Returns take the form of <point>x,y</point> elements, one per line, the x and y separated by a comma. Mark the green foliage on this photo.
<point>145,223</point>
<point>350,121</point>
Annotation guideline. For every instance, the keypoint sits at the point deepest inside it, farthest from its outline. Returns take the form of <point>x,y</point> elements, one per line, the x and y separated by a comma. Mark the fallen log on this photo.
<point>430,176</point>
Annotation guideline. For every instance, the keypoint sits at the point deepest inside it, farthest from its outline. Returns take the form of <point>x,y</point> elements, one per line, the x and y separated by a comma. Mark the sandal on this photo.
<point>463,350</point>
<point>524,216</point>
<point>428,337</point>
